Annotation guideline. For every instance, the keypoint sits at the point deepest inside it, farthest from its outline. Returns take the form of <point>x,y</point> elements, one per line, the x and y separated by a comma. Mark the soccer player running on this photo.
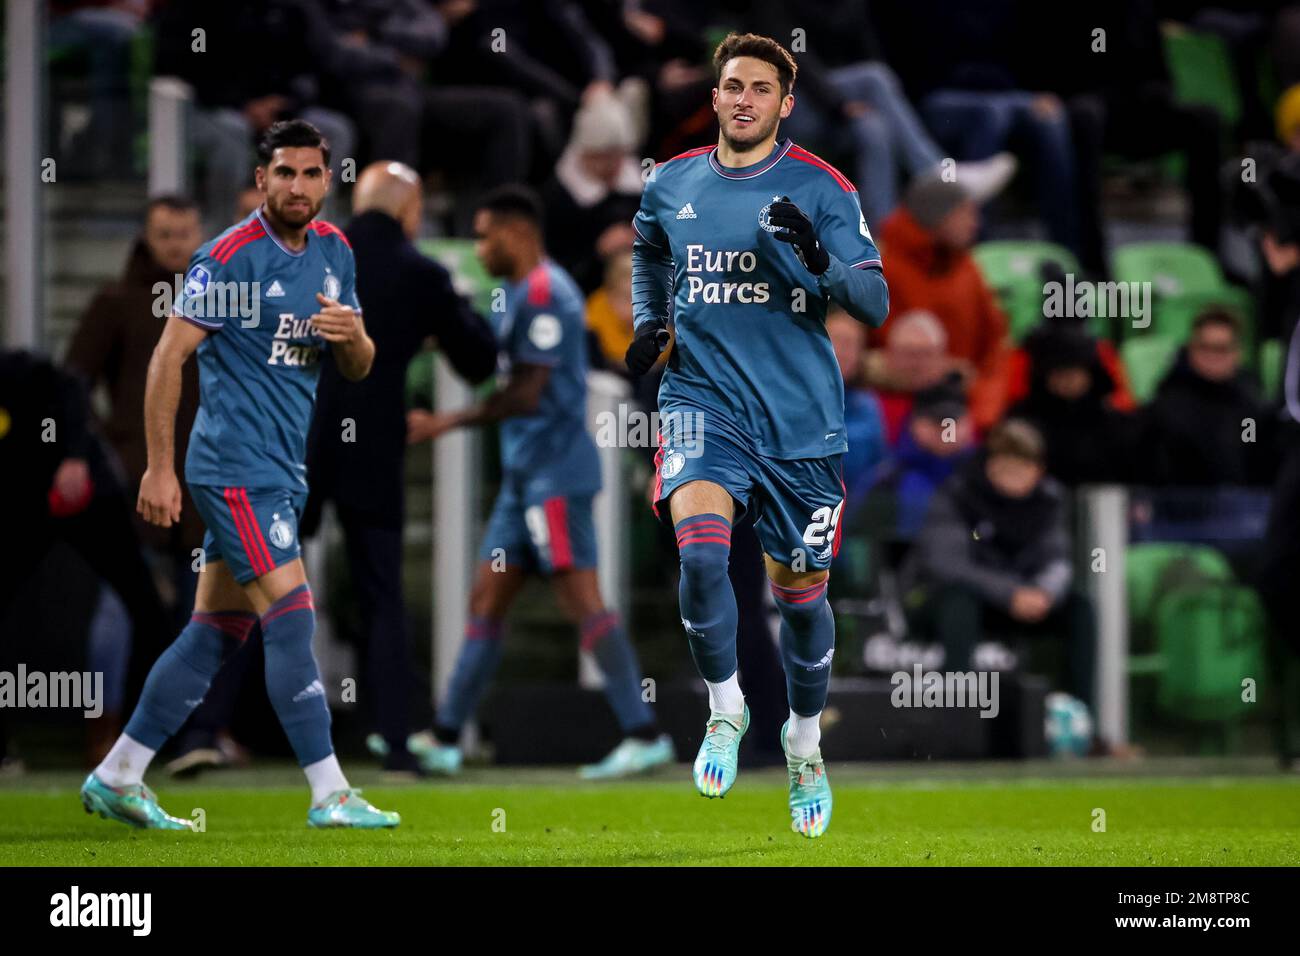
<point>289,281</point>
<point>542,518</point>
<point>744,244</point>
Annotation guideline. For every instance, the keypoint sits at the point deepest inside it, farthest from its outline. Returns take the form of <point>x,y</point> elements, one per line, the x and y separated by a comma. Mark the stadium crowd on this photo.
<point>962,414</point>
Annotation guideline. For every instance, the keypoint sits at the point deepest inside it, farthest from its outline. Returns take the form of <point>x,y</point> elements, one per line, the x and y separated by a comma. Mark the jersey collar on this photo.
<point>276,239</point>
<point>755,169</point>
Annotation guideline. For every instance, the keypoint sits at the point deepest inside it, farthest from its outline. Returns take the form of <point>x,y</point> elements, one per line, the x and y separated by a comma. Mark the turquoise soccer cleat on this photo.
<point>810,791</point>
<point>136,806</point>
<point>434,756</point>
<point>347,808</point>
<point>631,757</point>
<point>715,764</point>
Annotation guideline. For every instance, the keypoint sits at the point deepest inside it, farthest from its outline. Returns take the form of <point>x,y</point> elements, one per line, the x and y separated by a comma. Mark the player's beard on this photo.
<point>296,216</point>
<point>754,134</point>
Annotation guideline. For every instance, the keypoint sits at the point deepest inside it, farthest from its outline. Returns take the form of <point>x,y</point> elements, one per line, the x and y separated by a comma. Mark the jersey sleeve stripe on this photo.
<point>323,228</point>
<point>206,326</point>
<point>225,243</point>
<point>230,251</point>
<point>798,152</point>
<point>229,254</point>
<point>697,151</point>
<point>539,286</point>
<point>866,262</point>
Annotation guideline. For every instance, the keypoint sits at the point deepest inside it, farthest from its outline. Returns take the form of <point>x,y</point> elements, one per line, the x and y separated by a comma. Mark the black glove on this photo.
<point>644,351</point>
<point>797,229</point>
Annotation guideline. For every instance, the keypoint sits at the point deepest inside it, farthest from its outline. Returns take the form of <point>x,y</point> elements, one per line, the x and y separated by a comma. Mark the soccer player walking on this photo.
<point>745,244</point>
<point>259,305</point>
<point>542,519</point>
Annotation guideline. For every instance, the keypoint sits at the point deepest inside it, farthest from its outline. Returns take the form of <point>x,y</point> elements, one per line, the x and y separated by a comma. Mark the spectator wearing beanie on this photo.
<point>1068,402</point>
<point>596,190</point>
<point>926,242</point>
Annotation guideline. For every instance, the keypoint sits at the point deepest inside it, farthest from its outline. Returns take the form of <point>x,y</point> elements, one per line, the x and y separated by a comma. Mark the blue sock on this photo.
<point>708,604</point>
<point>475,665</point>
<point>807,644</point>
<point>603,636</point>
<point>182,673</point>
<point>292,678</point>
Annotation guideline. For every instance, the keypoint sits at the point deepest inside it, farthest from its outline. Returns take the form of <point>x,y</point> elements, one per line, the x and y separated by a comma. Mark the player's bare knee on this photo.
<point>785,577</point>
<point>701,497</point>
<point>218,590</point>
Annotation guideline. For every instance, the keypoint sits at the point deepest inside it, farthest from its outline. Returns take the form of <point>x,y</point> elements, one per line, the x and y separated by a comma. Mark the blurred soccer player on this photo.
<point>542,519</point>
<point>745,244</point>
<point>259,304</point>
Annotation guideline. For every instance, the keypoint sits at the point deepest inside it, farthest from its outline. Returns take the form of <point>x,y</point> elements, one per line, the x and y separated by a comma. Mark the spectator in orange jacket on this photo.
<point>926,243</point>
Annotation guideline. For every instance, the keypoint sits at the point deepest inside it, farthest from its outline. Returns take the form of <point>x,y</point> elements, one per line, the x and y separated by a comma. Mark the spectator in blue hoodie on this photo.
<point>938,436</point>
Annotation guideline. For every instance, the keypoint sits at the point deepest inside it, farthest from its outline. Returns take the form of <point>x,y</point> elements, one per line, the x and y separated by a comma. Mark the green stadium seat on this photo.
<point>1149,570</point>
<point>1272,358</point>
<point>1210,638</point>
<point>1011,268</point>
<point>1201,71</point>
<point>1184,279</point>
<point>1146,360</point>
<point>1173,268</point>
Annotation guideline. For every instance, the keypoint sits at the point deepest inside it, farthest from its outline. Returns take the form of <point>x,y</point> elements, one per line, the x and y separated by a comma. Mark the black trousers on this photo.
<point>374,553</point>
<point>105,538</point>
<point>1280,556</point>
<point>960,618</point>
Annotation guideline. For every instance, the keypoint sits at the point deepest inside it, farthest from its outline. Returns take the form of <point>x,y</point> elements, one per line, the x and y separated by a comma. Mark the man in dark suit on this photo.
<point>357,445</point>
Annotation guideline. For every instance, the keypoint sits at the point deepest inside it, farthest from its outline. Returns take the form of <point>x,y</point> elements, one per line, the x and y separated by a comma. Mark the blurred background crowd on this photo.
<point>1143,158</point>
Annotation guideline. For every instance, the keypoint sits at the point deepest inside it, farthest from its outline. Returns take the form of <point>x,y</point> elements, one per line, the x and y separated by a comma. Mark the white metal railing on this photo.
<point>24,226</point>
<point>169,103</point>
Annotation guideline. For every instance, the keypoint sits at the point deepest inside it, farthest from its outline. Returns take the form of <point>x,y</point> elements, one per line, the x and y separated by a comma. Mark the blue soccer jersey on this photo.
<point>259,364</point>
<point>549,452</point>
<point>751,349</point>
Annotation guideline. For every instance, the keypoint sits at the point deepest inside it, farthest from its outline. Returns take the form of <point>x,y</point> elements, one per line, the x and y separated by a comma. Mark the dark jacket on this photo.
<point>45,420</point>
<point>112,345</point>
<point>1088,441</point>
<point>405,298</point>
<point>1194,428</point>
<point>974,536</point>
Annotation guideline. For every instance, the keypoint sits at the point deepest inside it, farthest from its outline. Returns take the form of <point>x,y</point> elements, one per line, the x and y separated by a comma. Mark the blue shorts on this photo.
<point>254,530</point>
<point>796,503</point>
<point>546,535</point>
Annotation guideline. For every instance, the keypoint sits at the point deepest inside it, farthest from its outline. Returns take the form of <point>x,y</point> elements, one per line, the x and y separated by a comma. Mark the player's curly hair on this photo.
<point>290,133</point>
<point>760,48</point>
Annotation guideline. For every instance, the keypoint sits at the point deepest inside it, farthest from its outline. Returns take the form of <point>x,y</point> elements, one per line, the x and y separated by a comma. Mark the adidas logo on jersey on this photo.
<point>687,212</point>
<point>276,291</point>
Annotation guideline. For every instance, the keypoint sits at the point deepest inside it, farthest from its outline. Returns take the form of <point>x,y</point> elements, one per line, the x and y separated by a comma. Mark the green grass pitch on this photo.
<point>999,815</point>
